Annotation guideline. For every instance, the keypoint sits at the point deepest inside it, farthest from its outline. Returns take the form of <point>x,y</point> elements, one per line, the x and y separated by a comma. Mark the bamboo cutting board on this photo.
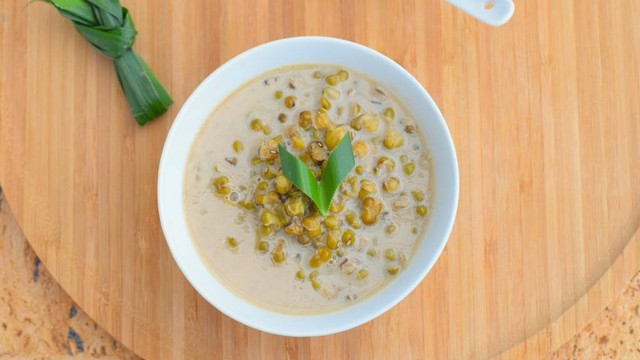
<point>544,114</point>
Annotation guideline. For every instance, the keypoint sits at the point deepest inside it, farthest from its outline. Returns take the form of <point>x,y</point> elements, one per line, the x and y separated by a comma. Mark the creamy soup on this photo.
<point>265,239</point>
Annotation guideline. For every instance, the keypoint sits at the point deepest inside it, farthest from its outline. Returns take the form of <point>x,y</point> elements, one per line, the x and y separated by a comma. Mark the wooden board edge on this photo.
<point>577,317</point>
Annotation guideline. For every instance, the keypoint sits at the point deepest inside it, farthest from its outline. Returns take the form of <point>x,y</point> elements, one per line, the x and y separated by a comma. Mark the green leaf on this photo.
<point>113,41</point>
<point>108,12</point>
<point>111,7</point>
<point>146,96</point>
<point>337,167</point>
<point>107,26</point>
<point>78,11</point>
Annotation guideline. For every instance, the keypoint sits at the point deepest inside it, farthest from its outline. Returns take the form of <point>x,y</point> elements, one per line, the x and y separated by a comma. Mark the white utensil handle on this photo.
<point>492,12</point>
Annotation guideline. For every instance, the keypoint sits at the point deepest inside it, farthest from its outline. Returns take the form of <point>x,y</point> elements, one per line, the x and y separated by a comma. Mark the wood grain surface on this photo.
<point>544,114</point>
<point>38,319</point>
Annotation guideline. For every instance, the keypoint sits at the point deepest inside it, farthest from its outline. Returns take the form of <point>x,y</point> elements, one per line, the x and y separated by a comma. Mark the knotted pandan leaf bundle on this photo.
<point>109,28</point>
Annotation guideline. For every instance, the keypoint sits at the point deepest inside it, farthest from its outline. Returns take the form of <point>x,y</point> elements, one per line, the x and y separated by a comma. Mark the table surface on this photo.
<point>40,319</point>
<point>544,116</point>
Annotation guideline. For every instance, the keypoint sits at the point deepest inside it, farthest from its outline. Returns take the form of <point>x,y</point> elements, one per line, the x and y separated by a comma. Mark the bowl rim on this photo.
<point>252,317</point>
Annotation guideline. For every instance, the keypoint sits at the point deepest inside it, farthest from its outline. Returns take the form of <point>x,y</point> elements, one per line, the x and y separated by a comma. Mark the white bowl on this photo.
<point>248,65</point>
